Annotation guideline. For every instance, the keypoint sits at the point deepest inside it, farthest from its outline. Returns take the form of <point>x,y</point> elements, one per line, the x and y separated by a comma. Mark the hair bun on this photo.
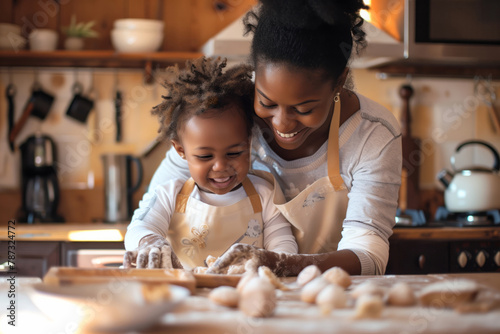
<point>310,14</point>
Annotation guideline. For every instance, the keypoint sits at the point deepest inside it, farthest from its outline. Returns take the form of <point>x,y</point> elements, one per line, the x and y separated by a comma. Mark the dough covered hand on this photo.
<point>154,251</point>
<point>280,263</point>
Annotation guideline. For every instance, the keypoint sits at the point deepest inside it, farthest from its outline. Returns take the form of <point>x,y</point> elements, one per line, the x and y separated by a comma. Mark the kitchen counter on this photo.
<point>197,314</point>
<point>116,232</point>
<point>67,232</point>
<point>446,233</point>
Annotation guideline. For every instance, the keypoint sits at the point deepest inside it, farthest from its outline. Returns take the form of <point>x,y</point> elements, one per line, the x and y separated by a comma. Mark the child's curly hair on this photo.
<point>201,86</point>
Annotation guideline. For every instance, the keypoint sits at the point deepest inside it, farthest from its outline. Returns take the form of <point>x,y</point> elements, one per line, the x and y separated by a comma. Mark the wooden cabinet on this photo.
<point>417,257</point>
<point>33,258</point>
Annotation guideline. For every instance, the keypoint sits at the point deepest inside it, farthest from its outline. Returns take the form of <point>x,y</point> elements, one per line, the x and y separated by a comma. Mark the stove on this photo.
<point>445,218</point>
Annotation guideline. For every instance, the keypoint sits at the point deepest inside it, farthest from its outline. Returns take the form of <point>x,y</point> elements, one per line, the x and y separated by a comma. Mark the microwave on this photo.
<point>439,31</point>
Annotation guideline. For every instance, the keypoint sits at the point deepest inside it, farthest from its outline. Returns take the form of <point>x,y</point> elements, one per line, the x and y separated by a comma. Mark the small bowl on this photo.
<point>114,306</point>
<point>7,28</point>
<point>139,24</point>
<point>43,40</point>
<point>135,41</point>
<point>12,42</point>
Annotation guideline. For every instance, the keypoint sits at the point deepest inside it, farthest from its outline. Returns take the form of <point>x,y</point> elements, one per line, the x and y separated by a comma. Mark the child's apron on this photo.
<point>198,229</point>
<point>317,213</point>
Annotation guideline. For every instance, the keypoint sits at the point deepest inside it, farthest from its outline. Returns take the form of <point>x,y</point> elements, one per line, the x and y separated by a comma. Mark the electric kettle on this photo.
<point>472,189</point>
<point>119,186</point>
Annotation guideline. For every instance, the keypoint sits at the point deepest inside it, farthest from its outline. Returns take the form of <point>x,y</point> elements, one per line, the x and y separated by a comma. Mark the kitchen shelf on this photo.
<point>405,68</point>
<point>95,59</point>
<point>92,58</point>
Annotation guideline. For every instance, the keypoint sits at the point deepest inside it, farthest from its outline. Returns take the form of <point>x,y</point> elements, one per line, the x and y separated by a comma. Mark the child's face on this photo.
<point>217,149</point>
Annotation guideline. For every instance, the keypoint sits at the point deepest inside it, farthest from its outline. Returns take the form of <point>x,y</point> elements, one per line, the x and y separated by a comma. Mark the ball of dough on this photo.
<point>265,272</point>
<point>247,277</point>
<point>449,293</point>
<point>308,274</point>
<point>312,289</point>
<point>210,260</point>
<point>401,294</point>
<point>339,276</point>
<point>369,306</point>
<point>367,288</point>
<point>258,298</point>
<point>200,270</point>
<point>225,296</point>
<point>331,297</point>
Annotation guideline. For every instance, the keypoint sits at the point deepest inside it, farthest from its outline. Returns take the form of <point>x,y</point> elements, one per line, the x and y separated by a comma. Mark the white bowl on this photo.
<point>139,24</point>
<point>43,40</point>
<point>125,40</point>
<point>118,305</point>
<point>12,42</point>
<point>6,28</point>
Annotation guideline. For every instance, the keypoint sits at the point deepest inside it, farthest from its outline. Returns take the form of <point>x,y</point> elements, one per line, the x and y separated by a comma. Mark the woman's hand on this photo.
<point>154,251</point>
<point>280,263</point>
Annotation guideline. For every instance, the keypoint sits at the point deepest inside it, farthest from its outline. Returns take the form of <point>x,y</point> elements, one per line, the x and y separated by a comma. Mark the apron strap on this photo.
<point>333,147</point>
<point>183,196</point>
<point>252,195</point>
<point>187,189</point>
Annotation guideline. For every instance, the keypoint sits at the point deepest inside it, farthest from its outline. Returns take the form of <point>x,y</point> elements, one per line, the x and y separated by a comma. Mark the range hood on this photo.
<point>231,44</point>
<point>405,31</point>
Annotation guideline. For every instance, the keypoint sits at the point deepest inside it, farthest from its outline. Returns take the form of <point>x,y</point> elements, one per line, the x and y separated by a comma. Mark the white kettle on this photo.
<point>473,189</point>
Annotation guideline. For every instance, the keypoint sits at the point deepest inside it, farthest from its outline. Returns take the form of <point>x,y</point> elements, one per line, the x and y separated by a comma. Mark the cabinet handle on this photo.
<point>421,261</point>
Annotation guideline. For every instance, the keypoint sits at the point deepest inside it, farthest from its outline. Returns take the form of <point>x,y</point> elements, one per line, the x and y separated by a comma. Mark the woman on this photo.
<point>335,153</point>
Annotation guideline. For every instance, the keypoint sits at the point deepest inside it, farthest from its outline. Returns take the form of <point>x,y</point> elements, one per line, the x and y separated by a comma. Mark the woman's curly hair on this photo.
<point>309,34</point>
<point>203,85</point>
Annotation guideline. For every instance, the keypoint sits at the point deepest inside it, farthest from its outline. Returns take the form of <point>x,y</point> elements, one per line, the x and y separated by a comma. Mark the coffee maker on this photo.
<point>40,188</point>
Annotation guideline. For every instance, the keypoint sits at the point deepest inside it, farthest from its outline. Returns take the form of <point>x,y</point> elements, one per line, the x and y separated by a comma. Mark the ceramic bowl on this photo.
<point>43,40</point>
<point>139,24</point>
<point>12,42</point>
<point>126,40</point>
<point>114,306</point>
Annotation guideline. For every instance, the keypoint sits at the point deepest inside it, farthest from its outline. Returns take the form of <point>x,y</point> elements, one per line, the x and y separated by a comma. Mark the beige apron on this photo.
<point>198,229</point>
<point>317,213</point>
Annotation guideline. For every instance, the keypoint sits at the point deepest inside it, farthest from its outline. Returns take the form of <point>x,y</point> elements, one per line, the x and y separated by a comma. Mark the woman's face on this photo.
<point>295,104</point>
<point>217,149</point>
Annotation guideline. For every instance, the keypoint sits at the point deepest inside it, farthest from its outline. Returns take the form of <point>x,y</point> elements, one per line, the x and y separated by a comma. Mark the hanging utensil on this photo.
<point>80,106</point>
<point>10,93</point>
<point>38,105</point>
<point>118,111</point>
<point>486,93</point>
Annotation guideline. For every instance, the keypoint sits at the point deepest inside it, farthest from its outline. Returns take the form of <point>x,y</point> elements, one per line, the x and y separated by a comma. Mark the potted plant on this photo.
<point>76,32</point>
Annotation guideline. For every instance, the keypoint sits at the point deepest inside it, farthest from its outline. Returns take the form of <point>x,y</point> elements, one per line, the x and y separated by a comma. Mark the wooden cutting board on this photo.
<point>185,278</point>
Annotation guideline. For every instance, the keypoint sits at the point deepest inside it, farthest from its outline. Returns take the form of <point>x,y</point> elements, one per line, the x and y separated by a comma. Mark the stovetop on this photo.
<point>445,218</point>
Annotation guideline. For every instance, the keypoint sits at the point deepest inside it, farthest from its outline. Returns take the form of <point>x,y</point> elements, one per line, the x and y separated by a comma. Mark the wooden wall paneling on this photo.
<point>148,9</point>
<point>6,10</point>
<point>189,24</point>
<point>103,12</point>
<point>31,15</point>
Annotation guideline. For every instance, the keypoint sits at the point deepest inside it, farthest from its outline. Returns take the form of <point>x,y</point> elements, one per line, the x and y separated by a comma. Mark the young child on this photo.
<point>208,117</point>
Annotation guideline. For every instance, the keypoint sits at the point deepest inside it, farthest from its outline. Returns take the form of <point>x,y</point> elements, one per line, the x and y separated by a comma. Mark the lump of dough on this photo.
<point>312,289</point>
<point>401,294</point>
<point>331,297</point>
<point>369,306</point>
<point>265,272</point>
<point>247,277</point>
<point>367,288</point>
<point>449,293</point>
<point>210,260</point>
<point>155,292</point>
<point>200,270</point>
<point>258,298</point>
<point>308,274</point>
<point>225,296</point>
<point>339,276</point>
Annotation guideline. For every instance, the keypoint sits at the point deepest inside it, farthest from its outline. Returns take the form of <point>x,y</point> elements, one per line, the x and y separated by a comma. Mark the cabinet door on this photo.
<point>417,257</point>
<point>33,258</point>
<point>70,251</point>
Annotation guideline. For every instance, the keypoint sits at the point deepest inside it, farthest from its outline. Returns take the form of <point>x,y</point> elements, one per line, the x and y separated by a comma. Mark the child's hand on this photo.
<point>154,251</point>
